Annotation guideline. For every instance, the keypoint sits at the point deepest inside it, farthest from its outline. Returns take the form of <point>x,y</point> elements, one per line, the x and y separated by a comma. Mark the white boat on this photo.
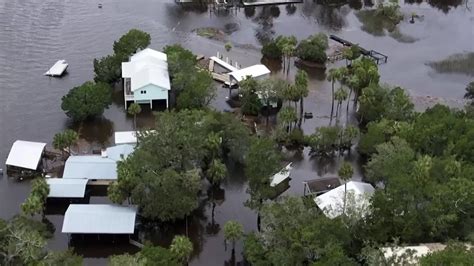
<point>57,69</point>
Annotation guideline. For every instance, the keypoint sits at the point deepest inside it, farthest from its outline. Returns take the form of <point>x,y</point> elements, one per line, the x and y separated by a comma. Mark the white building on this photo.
<point>146,78</point>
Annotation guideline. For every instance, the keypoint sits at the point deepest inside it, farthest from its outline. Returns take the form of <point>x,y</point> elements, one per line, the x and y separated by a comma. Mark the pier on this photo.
<point>376,56</point>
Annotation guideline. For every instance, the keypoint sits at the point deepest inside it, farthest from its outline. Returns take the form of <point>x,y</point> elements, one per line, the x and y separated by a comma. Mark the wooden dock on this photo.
<point>271,2</point>
<point>376,56</point>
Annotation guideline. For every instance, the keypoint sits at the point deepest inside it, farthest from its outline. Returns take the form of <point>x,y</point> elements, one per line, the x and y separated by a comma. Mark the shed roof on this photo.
<point>280,176</point>
<point>254,71</point>
<point>66,188</point>
<point>332,201</point>
<point>99,219</point>
<point>125,137</point>
<point>90,167</point>
<point>25,154</point>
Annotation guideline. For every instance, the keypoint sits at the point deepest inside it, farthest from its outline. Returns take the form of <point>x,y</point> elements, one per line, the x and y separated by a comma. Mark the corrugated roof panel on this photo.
<point>99,219</point>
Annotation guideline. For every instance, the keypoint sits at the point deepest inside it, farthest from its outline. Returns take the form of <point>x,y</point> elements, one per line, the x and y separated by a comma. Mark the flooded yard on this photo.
<point>34,34</point>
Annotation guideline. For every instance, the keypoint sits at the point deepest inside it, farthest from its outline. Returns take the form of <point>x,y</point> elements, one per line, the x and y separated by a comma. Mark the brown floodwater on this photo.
<point>36,33</point>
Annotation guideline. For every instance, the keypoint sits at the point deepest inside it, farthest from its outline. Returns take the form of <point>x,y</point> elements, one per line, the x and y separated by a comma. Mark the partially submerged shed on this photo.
<point>125,137</point>
<point>281,176</point>
<point>99,219</point>
<point>25,154</point>
<point>66,188</point>
<point>331,202</point>
<point>320,185</point>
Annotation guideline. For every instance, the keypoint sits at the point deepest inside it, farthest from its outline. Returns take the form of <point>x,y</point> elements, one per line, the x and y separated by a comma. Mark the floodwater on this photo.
<point>36,33</point>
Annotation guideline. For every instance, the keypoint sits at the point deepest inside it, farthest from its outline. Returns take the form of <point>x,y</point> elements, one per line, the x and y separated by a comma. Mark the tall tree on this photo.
<point>134,109</point>
<point>86,101</point>
<point>287,46</point>
<point>182,248</point>
<point>233,231</point>
<point>345,173</point>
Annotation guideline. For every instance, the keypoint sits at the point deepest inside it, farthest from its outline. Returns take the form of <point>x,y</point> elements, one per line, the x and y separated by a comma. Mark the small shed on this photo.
<point>255,71</point>
<point>25,154</point>
<point>66,188</point>
<point>99,219</point>
<point>125,137</point>
<point>331,202</point>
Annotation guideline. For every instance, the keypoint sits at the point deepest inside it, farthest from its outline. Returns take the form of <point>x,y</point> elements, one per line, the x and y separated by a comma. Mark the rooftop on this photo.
<point>66,188</point>
<point>99,219</point>
<point>254,71</point>
<point>25,154</point>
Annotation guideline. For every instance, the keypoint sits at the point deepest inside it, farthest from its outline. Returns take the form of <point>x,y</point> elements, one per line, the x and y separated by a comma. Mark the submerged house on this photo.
<point>146,79</point>
<point>25,155</point>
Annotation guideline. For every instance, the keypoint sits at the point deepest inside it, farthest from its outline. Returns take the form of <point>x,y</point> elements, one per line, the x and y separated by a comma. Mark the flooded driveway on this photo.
<point>34,34</point>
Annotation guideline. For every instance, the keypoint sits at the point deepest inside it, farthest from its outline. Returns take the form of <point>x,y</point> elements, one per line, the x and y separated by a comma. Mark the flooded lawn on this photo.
<point>35,34</point>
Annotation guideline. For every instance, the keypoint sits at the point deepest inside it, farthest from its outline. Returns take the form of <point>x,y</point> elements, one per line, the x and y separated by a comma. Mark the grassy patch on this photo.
<point>211,33</point>
<point>457,63</point>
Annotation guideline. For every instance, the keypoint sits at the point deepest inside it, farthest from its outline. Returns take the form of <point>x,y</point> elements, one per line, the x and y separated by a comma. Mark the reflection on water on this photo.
<point>444,5</point>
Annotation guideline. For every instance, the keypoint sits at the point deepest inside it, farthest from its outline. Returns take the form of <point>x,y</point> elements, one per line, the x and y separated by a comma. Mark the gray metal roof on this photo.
<point>99,219</point>
<point>90,167</point>
<point>119,152</point>
<point>66,188</point>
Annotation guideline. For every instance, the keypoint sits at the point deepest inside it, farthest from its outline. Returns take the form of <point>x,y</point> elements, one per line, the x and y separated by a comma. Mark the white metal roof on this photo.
<point>25,154</point>
<point>332,201</point>
<point>282,175</point>
<point>150,74</point>
<point>57,69</point>
<point>254,71</point>
<point>125,137</point>
<point>66,188</point>
<point>148,52</point>
<point>90,167</point>
<point>99,219</point>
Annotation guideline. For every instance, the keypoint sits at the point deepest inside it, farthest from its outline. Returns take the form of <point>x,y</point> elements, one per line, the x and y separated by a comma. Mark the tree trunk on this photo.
<point>332,104</point>
<point>301,107</point>
<point>347,108</point>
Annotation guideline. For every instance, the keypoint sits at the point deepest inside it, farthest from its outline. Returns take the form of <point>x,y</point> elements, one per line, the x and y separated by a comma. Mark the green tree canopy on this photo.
<point>295,234</point>
<point>262,162</point>
<point>182,248</point>
<point>86,101</point>
<point>107,69</point>
<point>179,59</point>
<point>233,231</point>
<point>195,89</point>
<point>313,48</point>
<point>65,139</point>
<point>453,254</point>
<point>131,42</point>
<point>35,203</point>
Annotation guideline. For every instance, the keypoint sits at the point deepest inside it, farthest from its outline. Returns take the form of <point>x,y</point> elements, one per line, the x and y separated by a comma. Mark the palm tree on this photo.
<point>233,231</point>
<point>287,116</point>
<point>287,45</point>
<point>66,139</point>
<point>134,109</point>
<point>182,248</point>
<point>345,173</point>
<point>301,83</point>
<point>340,96</point>
<point>217,172</point>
